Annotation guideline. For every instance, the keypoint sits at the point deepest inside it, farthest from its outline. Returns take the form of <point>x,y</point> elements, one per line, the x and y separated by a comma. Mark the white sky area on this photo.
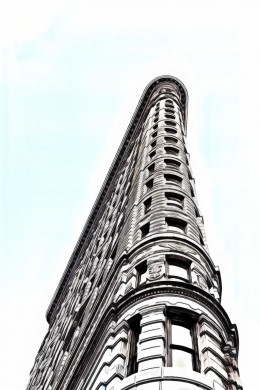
<point>71,75</point>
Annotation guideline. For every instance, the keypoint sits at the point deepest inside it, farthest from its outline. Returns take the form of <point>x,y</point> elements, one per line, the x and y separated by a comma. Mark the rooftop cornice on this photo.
<point>131,129</point>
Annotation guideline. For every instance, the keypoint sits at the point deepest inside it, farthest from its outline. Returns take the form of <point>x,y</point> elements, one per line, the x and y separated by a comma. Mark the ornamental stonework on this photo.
<point>139,303</point>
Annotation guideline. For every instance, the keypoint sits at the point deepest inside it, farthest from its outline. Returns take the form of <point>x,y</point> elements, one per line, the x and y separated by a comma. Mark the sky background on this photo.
<point>71,75</point>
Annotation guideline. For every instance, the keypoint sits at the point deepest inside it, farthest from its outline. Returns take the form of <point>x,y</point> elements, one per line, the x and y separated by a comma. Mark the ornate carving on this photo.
<point>155,271</point>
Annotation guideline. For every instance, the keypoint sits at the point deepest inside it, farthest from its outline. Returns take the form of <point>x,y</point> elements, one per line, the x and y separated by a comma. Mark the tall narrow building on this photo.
<point>139,304</point>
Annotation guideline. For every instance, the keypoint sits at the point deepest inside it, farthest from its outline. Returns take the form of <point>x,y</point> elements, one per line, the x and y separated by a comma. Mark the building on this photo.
<point>138,306</point>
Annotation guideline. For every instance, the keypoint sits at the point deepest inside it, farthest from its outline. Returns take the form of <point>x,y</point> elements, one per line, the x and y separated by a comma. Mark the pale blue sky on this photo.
<point>71,75</point>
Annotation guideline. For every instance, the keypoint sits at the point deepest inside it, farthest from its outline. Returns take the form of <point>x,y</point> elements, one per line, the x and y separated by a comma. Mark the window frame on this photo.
<point>179,262</point>
<point>176,222</point>
<point>134,334</point>
<point>188,320</point>
<point>177,200</point>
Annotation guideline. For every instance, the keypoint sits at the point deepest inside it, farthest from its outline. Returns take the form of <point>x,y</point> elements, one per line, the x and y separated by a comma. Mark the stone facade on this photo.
<point>138,305</point>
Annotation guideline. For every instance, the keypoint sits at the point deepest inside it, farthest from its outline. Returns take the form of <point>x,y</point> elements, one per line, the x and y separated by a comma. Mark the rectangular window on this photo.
<point>151,169</point>
<point>149,185</point>
<point>172,151</point>
<point>182,343</point>
<point>135,330</point>
<point>147,205</point>
<point>153,144</point>
<point>170,140</point>
<point>172,164</point>
<point>154,134</point>
<point>177,268</point>
<point>152,154</point>
<point>173,199</point>
<point>173,179</point>
<point>176,225</point>
<point>141,272</point>
<point>181,347</point>
<point>145,230</point>
<point>191,191</point>
<point>170,131</point>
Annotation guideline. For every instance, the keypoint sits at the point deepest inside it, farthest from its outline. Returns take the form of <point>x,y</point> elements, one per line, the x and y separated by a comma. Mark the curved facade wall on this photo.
<point>139,304</point>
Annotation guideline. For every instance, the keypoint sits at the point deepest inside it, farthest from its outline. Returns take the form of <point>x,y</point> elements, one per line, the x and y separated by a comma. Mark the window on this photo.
<point>141,271</point>
<point>152,154</point>
<point>168,116</point>
<point>170,123</point>
<point>172,164</point>
<point>170,140</point>
<point>172,179</point>
<point>177,268</point>
<point>147,205</point>
<point>170,131</point>
<point>149,185</point>
<point>169,111</point>
<point>113,254</point>
<point>176,225</point>
<point>145,230</point>
<point>135,330</point>
<point>168,101</point>
<point>182,341</point>
<point>155,126</point>
<point>173,199</point>
<point>153,144</point>
<point>154,134</point>
<point>180,348</point>
<point>191,191</point>
<point>170,150</point>
<point>151,168</point>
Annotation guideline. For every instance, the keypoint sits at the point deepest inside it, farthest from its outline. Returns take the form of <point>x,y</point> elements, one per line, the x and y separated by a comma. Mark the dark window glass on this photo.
<point>172,151</point>
<point>173,199</point>
<point>152,154</point>
<point>170,123</point>
<point>169,111</point>
<point>172,179</point>
<point>172,164</point>
<point>147,205</point>
<point>141,271</point>
<point>134,338</point>
<point>168,116</point>
<point>176,225</point>
<point>151,168</point>
<point>170,131</point>
<point>149,184</point>
<point>191,191</point>
<point>145,230</point>
<point>153,144</point>
<point>170,140</point>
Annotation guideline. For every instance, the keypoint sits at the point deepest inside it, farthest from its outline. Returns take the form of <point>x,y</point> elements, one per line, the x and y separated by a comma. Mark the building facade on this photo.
<point>139,303</point>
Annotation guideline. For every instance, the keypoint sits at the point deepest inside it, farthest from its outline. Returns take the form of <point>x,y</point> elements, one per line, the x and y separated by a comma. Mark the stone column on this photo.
<point>151,346</point>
